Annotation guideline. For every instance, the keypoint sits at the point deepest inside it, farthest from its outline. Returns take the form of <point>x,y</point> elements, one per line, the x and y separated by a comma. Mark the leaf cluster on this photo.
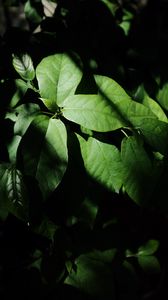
<point>83,155</point>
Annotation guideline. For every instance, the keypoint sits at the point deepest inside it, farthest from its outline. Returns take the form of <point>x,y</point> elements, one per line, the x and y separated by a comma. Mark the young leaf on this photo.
<point>149,248</point>
<point>46,159</point>
<point>58,76</point>
<point>102,162</point>
<point>138,170</point>
<point>92,112</point>
<point>24,66</point>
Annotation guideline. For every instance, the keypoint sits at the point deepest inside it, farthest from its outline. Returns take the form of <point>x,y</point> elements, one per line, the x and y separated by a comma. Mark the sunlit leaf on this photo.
<point>139,117</point>
<point>49,7</point>
<point>92,112</point>
<point>58,77</point>
<point>52,106</point>
<point>155,108</point>
<point>102,162</point>
<point>24,66</point>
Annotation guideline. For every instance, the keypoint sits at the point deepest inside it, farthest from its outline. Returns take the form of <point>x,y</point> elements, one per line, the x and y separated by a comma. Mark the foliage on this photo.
<point>83,157</point>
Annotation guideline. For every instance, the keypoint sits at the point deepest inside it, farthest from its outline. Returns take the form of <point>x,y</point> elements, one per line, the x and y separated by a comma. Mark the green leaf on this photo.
<point>112,5</point>
<point>49,7</point>
<point>58,76</point>
<point>21,89</point>
<point>49,104</point>
<point>46,158</point>
<point>12,148</point>
<point>149,248</point>
<point>138,170</point>
<point>24,66</point>
<point>162,96</point>
<point>92,112</point>
<point>155,108</point>
<point>102,162</point>
<point>149,263</point>
<point>3,180</point>
<point>138,116</point>
<point>33,11</point>
<point>88,212</point>
<point>142,96</point>
<point>126,21</point>
<point>14,193</point>
<point>94,274</point>
<point>25,114</point>
<point>47,229</point>
<point>155,133</point>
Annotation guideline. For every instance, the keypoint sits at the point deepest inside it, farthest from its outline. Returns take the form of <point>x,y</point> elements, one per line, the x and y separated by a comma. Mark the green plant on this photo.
<point>64,125</point>
<point>83,157</point>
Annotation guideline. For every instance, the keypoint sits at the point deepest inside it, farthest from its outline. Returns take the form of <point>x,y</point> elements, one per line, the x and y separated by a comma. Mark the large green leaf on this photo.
<point>94,274</point>
<point>58,76</point>
<point>13,192</point>
<point>43,149</point>
<point>137,115</point>
<point>138,170</point>
<point>102,162</point>
<point>24,66</point>
<point>93,112</point>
